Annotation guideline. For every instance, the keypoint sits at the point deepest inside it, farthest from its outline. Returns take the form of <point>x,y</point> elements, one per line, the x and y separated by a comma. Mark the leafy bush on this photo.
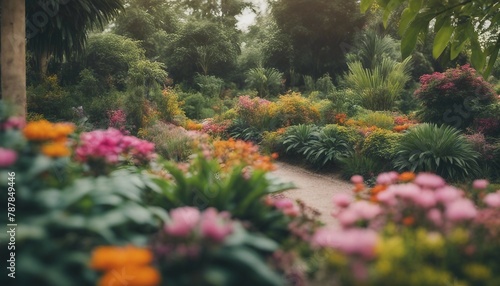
<point>209,85</point>
<point>272,141</point>
<point>172,142</point>
<point>359,164</point>
<point>441,150</point>
<point>454,97</point>
<point>326,148</point>
<point>379,119</point>
<point>169,106</point>
<point>381,145</point>
<point>380,87</point>
<point>256,112</point>
<point>297,137</point>
<point>350,135</point>
<point>267,81</point>
<point>50,99</point>
<point>293,109</point>
<point>325,85</point>
<point>193,105</point>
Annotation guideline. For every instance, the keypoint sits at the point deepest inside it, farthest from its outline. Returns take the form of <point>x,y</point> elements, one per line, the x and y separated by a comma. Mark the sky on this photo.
<point>247,18</point>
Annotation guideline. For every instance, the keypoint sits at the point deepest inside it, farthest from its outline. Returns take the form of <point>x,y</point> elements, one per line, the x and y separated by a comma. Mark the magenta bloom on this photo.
<point>429,180</point>
<point>342,200</point>
<point>357,179</point>
<point>213,226</point>
<point>460,210</point>
<point>480,184</point>
<point>7,157</point>
<point>492,200</point>
<point>183,222</point>
<point>356,241</point>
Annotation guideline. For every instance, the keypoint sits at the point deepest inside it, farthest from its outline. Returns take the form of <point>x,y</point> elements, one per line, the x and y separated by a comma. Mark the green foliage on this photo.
<point>297,137</point>
<point>371,48</point>
<point>359,164</point>
<point>350,135</point>
<point>240,130</point>
<point>441,150</point>
<point>380,87</point>
<point>50,99</point>
<point>206,186</point>
<point>210,86</point>
<point>193,105</point>
<point>381,145</point>
<point>309,84</point>
<point>325,85</point>
<point>457,25</point>
<point>293,109</point>
<point>379,119</point>
<point>267,81</point>
<point>171,142</point>
<point>455,97</point>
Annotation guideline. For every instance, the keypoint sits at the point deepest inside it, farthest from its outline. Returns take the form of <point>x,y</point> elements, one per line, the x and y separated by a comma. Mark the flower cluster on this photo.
<point>118,120</point>
<point>232,153</point>
<point>340,118</point>
<point>189,228</point>
<point>256,112</point>
<point>7,157</point>
<point>53,137</point>
<point>487,126</point>
<point>211,127</point>
<point>130,265</point>
<point>112,146</point>
<point>193,126</point>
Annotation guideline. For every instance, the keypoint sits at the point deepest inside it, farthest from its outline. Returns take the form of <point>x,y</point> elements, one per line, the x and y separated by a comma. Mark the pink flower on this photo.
<point>357,179</point>
<point>7,157</point>
<point>342,200</point>
<point>460,210</point>
<point>293,211</point>
<point>425,199</point>
<point>388,196</point>
<point>215,226</point>
<point>351,241</point>
<point>407,191</point>
<point>429,180</point>
<point>480,184</point>
<point>348,218</point>
<point>387,178</point>
<point>492,200</point>
<point>184,220</point>
<point>365,210</point>
<point>13,123</point>
<point>283,203</point>
<point>434,215</point>
<point>448,194</point>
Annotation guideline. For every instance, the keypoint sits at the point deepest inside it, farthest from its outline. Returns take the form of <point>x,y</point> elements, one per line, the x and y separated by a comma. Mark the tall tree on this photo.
<point>13,57</point>
<point>318,30</point>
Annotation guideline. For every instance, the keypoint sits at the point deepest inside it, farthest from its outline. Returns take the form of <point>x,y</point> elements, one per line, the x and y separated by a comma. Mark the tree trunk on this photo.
<point>13,58</point>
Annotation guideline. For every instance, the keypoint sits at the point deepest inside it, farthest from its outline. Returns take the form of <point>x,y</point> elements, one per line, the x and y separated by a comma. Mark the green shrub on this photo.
<point>438,149</point>
<point>381,145</point>
<point>298,137</point>
<point>209,85</point>
<point>326,112</point>
<point>171,142</point>
<point>359,164</point>
<point>325,85</point>
<point>378,119</point>
<point>272,142</point>
<point>326,148</point>
<point>193,105</point>
<point>309,84</point>
<point>455,97</point>
<point>50,100</point>
<point>294,109</point>
<point>348,134</point>
<point>267,81</point>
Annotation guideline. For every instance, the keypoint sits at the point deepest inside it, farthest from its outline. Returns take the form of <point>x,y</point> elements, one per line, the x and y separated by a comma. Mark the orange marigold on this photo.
<point>131,276</point>
<point>358,188</point>
<point>43,130</point>
<point>407,177</point>
<point>56,149</point>
<point>408,221</point>
<point>111,257</point>
<point>377,189</point>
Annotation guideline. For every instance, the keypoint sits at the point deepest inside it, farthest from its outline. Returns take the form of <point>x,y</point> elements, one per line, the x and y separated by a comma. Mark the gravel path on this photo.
<point>315,190</point>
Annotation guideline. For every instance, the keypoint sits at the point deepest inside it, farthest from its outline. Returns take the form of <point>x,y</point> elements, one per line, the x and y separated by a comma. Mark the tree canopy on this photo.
<point>456,24</point>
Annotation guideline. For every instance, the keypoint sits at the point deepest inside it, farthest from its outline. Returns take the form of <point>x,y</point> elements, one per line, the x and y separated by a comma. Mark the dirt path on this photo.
<point>314,189</point>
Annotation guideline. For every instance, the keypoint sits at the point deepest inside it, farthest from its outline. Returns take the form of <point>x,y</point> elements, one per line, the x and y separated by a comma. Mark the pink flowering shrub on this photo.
<point>118,120</point>
<point>213,128</point>
<point>454,97</point>
<point>417,225</point>
<point>111,147</point>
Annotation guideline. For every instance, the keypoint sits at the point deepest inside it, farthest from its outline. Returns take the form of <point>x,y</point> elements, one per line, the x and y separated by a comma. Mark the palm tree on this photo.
<point>59,28</point>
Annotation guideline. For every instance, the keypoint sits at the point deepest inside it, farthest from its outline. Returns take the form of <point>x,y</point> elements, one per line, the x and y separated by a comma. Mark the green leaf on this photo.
<point>442,38</point>
<point>407,17</point>
<point>415,5</point>
<point>458,42</point>
<point>365,5</point>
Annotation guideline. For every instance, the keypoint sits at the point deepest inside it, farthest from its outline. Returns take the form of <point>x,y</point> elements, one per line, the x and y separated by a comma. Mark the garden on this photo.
<point>142,148</point>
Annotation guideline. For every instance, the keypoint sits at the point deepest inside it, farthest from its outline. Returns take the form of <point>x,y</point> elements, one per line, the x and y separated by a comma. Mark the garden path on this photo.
<point>315,190</point>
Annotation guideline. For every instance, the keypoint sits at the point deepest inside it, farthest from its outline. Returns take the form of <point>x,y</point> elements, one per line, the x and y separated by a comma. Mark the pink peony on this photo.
<point>480,184</point>
<point>357,179</point>
<point>342,200</point>
<point>184,220</point>
<point>429,180</point>
<point>214,226</point>
<point>492,200</point>
<point>459,210</point>
<point>7,157</point>
<point>448,194</point>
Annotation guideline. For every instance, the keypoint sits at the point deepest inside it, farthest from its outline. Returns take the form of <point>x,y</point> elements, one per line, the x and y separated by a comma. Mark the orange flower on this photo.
<point>274,156</point>
<point>407,177</point>
<point>62,130</point>
<point>358,188</point>
<point>131,276</point>
<point>409,221</point>
<point>111,257</point>
<point>377,189</point>
<point>43,130</point>
<point>56,149</point>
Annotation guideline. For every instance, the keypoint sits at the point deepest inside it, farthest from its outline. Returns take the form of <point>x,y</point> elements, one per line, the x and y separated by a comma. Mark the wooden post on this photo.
<point>13,58</point>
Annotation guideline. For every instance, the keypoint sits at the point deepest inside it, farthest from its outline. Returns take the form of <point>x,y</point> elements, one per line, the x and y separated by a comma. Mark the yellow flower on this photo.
<point>56,149</point>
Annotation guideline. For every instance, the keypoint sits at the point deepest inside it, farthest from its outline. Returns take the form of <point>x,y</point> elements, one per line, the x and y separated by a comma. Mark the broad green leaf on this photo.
<point>406,18</point>
<point>415,5</point>
<point>493,58</point>
<point>458,42</point>
<point>478,57</point>
<point>365,5</point>
<point>442,38</point>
